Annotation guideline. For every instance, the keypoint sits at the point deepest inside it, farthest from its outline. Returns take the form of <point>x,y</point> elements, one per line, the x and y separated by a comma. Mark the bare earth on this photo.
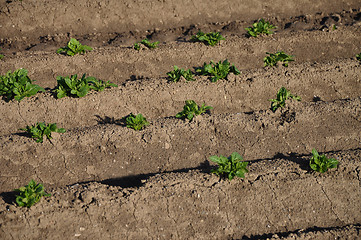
<point>111,182</point>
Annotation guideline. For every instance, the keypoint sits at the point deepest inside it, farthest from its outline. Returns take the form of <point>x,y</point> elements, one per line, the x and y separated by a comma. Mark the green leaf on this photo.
<point>146,43</point>
<point>321,163</point>
<point>274,58</point>
<point>18,85</point>
<point>218,70</point>
<point>260,28</point>
<point>38,131</point>
<point>177,73</point>
<point>211,39</point>
<point>282,95</point>
<point>191,109</point>
<point>30,194</point>
<point>74,47</point>
<point>137,122</point>
<point>358,57</point>
<point>230,167</point>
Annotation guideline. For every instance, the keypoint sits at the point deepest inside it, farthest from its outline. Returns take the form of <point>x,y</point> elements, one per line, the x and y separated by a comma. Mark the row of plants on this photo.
<point>17,85</point>
<point>228,168</point>
<point>213,38</point>
<point>138,122</point>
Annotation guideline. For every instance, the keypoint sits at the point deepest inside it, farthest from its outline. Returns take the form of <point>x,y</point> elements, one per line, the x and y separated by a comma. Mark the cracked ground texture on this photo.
<point>110,182</point>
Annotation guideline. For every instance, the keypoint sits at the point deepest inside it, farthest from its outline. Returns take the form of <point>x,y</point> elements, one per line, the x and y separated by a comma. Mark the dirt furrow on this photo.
<point>348,232</point>
<point>325,21</point>
<point>181,205</point>
<point>124,63</point>
<point>111,150</point>
<point>157,98</point>
<point>24,18</point>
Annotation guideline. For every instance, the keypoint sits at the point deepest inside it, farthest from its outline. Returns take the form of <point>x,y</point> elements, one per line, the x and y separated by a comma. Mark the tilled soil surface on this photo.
<point>110,182</point>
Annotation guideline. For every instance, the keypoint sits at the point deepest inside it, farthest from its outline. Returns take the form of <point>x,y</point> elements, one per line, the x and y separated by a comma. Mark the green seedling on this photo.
<point>259,28</point>
<point>74,87</point>
<point>177,73</point>
<point>282,95</point>
<point>358,57</point>
<point>18,85</point>
<point>146,43</point>
<point>230,167</point>
<point>30,194</point>
<point>191,109</point>
<point>274,58</point>
<point>99,85</point>
<point>137,122</point>
<point>74,47</point>
<point>218,70</point>
<point>321,163</point>
<point>39,130</point>
<point>212,38</point>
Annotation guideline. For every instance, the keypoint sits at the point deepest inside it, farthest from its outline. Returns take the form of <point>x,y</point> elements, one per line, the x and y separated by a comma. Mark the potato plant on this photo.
<point>274,58</point>
<point>218,70</point>
<point>39,130</point>
<point>358,57</point>
<point>191,109</point>
<point>30,194</point>
<point>282,95</point>
<point>230,167</point>
<point>74,47</point>
<point>74,87</point>
<point>211,39</point>
<point>136,122</point>
<point>320,163</point>
<point>177,73</point>
<point>146,43</point>
<point>18,85</point>
<point>261,27</point>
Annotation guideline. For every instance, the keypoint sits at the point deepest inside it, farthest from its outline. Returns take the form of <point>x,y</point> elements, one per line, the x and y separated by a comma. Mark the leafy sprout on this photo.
<point>18,85</point>
<point>358,57</point>
<point>146,43</point>
<point>282,95</point>
<point>30,194</point>
<point>191,109</point>
<point>74,47</point>
<point>274,58</point>
<point>74,87</point>
<point>177,73</point>
<point>137,122</point>
<point>259,28</point>
<point>218,70</point>
<point>99,85</point>
<point>320,163</point>
<point>1,56</point>
<point>211,38</point>
<point>39,130</point>
<point>230,167</point>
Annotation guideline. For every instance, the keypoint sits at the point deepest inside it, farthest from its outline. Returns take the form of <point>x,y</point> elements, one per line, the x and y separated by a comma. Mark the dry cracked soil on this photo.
<point>108,181</point>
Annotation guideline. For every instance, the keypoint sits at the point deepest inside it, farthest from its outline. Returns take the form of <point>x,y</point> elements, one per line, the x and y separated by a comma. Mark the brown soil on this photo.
<point>111,182</point>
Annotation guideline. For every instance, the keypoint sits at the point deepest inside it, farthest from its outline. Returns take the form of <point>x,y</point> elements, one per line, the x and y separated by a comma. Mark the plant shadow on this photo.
<point>296,158</point>
<point>109,120</point>
<point>8,197</point>
<point>136,181</point>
